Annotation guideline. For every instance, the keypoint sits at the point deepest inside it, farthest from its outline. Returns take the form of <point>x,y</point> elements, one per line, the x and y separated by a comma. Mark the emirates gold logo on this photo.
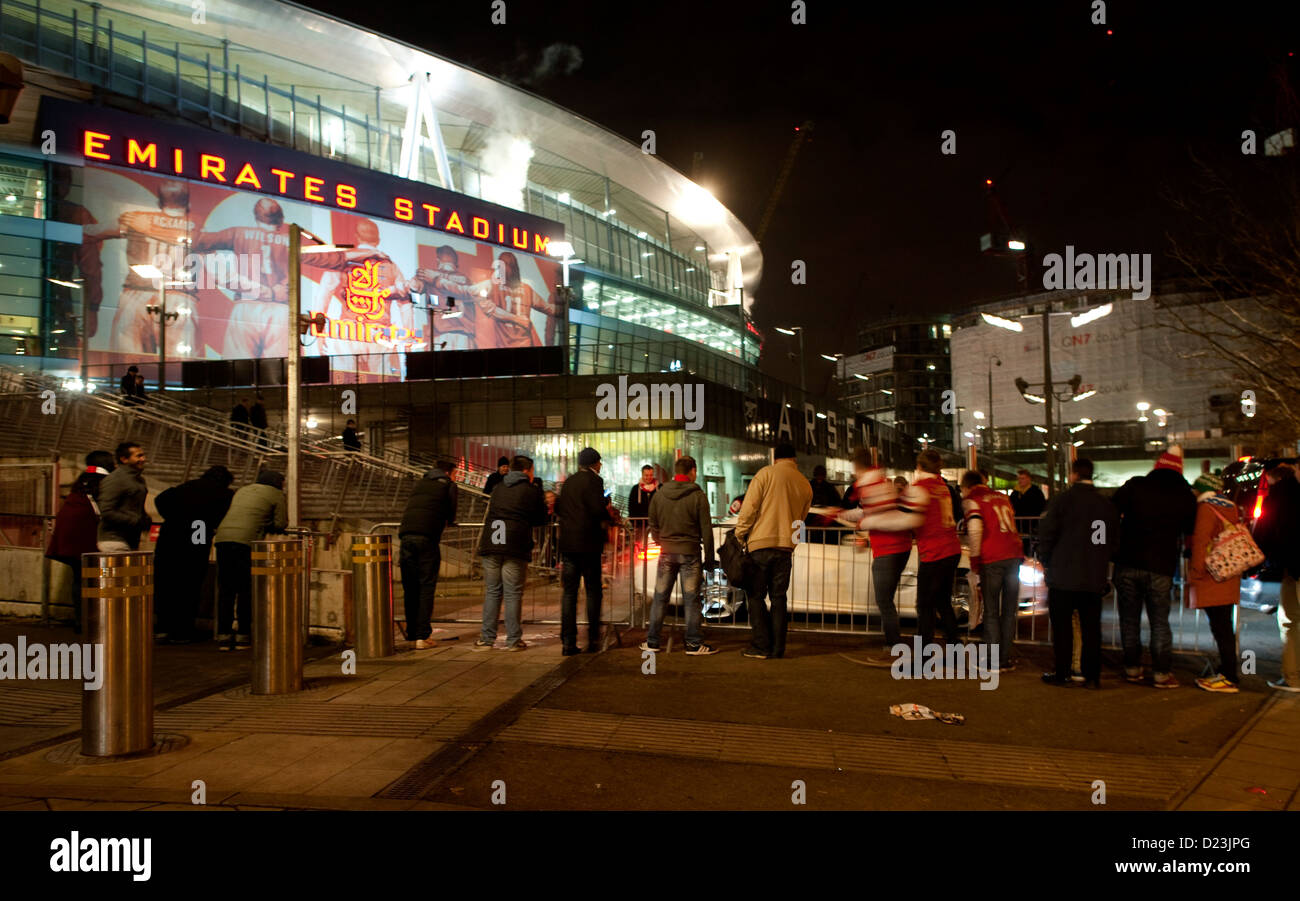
<point>365,296</point>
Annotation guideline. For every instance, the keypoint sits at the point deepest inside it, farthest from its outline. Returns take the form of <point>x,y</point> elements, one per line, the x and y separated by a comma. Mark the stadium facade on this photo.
<point>486,260</point>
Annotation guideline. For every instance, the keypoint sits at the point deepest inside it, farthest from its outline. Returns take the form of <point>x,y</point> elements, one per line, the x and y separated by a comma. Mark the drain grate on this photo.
<point>69,753</point>
<point>961,761</point>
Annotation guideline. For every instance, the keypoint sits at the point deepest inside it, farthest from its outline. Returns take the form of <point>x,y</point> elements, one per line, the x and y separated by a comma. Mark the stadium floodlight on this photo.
<point>1009,324</point>
<point>1091,315</point>
<point>559,249</point>
<point>1023,387</point>
<point>1143,406</point>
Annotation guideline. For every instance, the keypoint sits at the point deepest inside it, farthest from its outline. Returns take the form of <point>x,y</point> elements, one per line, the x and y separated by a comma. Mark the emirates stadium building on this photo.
<point>486,263</point>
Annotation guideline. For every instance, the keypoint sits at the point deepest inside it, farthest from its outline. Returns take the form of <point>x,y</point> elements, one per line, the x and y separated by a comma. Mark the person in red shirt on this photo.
<point>76,528</point>
<point>926,508</point>
<point>505,306</point>
<point>258,325</point>
<point>996,552</point>
<point>874,492</point>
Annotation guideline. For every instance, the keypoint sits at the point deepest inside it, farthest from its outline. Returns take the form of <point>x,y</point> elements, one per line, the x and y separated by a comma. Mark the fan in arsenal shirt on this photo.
<point>158,238</point>
<point>505,306</point>
<point>257,322</point>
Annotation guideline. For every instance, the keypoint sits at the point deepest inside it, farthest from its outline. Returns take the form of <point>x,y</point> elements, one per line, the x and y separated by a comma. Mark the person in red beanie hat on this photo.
<point>1156,511</point>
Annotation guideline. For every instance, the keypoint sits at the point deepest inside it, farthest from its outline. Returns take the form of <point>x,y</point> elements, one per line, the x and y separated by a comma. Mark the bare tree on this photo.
<point>1239,247</point>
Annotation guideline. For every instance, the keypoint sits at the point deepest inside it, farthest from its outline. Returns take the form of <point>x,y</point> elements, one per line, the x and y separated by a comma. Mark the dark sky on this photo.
<point>1084,132</point>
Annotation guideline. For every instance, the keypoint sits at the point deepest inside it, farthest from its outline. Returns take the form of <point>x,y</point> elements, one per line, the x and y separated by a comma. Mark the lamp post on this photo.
<point>792,330</point>
<point>160,280</point>
<point>988,434</point>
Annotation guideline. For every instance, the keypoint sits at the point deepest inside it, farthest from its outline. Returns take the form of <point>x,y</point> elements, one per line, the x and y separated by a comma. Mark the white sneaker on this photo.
<point>425,644</point>
<point>1283,685</point>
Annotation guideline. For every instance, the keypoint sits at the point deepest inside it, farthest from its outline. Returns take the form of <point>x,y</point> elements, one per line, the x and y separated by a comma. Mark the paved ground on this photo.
<point>454,728</point>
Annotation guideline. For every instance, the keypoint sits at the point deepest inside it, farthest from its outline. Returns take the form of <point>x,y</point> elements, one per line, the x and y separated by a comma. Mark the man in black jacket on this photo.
<point>680,522</point>
<point>1277,531</point>
<point>638,503</point>
<point>583,514</point>
<point>191,513</point>
<point>431,507</point>
<point>1076,539</point>
<point>516,507</point>
<point>1156,511</point>
<point>496,478</point>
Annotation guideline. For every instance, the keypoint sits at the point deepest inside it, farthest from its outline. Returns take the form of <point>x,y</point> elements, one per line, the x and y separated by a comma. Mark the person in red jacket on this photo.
<point>874,492</point>
<point>926,508</point>
<point>76,527</point>
<point>996,553</point>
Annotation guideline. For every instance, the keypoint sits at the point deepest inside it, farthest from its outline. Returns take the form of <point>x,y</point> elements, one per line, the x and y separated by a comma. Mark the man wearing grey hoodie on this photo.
<point>255,511</point>
<point>680,523</point>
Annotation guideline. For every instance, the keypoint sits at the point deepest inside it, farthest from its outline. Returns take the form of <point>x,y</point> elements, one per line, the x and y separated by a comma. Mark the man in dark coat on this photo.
<point>1076,540</point>
<point>121,501</point>
<point>431,507</point>
<point>1157,512</point>
<point>503,467</point>
<point>824,494</point>
<point>517,506</point>
<point>1277,531</point>
<point>584,514</point>
<point>191,513</point>
<point>257,419</point>
<point>1028,503</point>
<point>239,417</point>
<point>77,525</point>
<point>128,381</point>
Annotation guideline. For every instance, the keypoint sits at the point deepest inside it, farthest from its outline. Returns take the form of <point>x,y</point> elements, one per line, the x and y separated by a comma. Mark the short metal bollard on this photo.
<point>117,591</point>
<point>277,616</point>
<point>372,594</point>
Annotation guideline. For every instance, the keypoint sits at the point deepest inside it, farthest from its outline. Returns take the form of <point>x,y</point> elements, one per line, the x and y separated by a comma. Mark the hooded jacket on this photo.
<point>201,499</point>
<point>516,507</point>
<point>680,520</point>
<point>255,511</point>
<point>431,506</point>
<point>1278,525</point>
<point>1155,510</point>
<point>76,528</point>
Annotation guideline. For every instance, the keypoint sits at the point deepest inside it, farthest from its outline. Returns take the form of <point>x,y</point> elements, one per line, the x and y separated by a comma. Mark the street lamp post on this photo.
<point>989,428</point>
<point>792,330</point>
<point>294,372</point>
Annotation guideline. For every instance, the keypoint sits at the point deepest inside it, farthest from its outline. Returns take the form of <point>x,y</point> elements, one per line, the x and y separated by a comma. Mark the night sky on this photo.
<point>1086,134</point>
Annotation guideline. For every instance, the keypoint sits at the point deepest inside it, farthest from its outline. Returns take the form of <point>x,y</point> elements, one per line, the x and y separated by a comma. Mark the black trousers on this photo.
<point>75,564</point>
<point>770,579</point>
<point>420,559</point>
<point>1221,628</point>
<point>934,583</point>
<point>178,576</point>
<point>1061,605</point>
<point>234,587</point>
<point>584,567</point>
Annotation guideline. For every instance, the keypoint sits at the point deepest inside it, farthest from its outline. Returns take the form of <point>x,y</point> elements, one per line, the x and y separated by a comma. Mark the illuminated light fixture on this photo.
<point>969,434</point>
<point>183,348</point>
<point>1015,245</point>
<point>699,248</point>
<point>1085,395</point>
<point>1143,418</point>
<point>147,270</point>
<point>821,415</point>
<point>929,366</point>
<point>978,414</point>
<point>1143,406</point>
<point>886,391</point>
<point>831,358</point>
<point>641,234</point>
<point>645,253</point>
<point>1078,428</point>
<point>10,197</point>
<point>690,268</point>
<point>563,197</point>
<point>1078,443</point>
<point>312,422</point>
<point>865,378</point>
<point>787,331</point>
<point>560,249</point>
<point>699,207</point>
<point>64,283</point>
<point>454,314</point>
<point>1085,421</point>
<point>1160,412</point>
<point>1000,322</point>
<point>57,331</point>
<point>1091,315</point>
<point>325,248</point>
<point>1039,428</point>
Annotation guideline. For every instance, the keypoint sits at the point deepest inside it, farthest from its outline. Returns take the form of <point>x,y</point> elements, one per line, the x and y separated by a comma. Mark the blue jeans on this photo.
<point>1000,583</point>
<point>666,574</point>
<point>1136,589</point>
<point>886,571</point>
<point>502,576</point>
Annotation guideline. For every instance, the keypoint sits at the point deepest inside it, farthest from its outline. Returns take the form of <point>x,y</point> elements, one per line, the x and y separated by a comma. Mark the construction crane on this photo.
<point>800,135</point>
<point>1002,239</point>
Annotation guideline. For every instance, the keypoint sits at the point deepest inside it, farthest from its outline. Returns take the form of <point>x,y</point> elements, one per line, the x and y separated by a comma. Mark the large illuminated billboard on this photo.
<point>439,272</point>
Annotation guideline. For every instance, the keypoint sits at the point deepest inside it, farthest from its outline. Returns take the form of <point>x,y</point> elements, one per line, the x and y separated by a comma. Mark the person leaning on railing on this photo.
<point>255,511</point>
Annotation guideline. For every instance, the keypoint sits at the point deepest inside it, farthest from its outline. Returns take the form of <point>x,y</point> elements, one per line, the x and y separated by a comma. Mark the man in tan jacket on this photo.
<point>776,504</point>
